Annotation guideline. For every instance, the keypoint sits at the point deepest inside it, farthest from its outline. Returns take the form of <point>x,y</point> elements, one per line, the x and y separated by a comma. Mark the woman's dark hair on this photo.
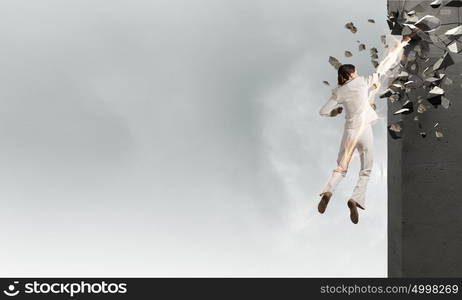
<point>344,73</point>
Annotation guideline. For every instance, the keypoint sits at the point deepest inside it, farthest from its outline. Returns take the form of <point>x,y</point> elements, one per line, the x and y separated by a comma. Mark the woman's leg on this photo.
<point>343,161</point>
<point>365,147</point>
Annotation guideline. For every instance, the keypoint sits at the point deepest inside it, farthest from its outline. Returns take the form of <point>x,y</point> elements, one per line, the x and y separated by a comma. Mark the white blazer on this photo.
<point>354,97</point>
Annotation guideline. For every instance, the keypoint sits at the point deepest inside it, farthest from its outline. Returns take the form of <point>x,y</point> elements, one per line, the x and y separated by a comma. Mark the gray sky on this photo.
<point>181,138</point>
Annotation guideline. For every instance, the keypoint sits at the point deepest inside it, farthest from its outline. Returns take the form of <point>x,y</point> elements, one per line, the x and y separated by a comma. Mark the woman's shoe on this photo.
<point>324,201</point>
<point>354,216</point>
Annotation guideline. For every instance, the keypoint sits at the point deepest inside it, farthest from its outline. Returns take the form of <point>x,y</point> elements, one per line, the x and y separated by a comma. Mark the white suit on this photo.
<point>357,134</point>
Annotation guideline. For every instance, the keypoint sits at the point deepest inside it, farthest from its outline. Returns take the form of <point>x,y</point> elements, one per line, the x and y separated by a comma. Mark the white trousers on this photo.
<point>363,141</point>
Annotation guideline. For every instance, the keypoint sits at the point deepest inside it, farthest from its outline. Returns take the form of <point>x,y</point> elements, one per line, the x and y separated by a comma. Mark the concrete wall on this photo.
<point>425,180</point>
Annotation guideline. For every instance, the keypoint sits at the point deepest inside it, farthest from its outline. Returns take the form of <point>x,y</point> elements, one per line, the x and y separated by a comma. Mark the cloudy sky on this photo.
<point>181,138</point>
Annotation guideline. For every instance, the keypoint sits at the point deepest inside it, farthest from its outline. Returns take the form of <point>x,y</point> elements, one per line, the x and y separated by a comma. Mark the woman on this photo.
<point>352,95</point>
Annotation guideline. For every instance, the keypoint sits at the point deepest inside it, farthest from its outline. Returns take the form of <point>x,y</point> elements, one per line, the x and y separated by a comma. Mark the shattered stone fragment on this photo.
<point>443,62</point>
<point>397,29</point>
<point>375,63</point>
<point>455,46</point>
<point>409,106</point>
<point>403,75</point>
<point>348,53</point>
<point>438,134</point>
<point>428,23</point>
<point>350,26</point>
<point>407,30</point>
<point>421,108</point>
<point>387,93</point>
<point>390,24</point>
<point>394,98</point>
<point>437,91</point>
<point>435,100</point>
<point>432,80</point>
<point>420,99</point>
<point>404,111</point>
<point>373,51</point>
<point>362,47</point>
<point>408,82</point>
<point>398,85</point>
<point>436,4</point>
<point>371,21</point>
<point>456,31</point>
<point>436,125</point>
<point>374,56</point>
<point>395,130</point>
<point>411,17</point>
<point>416,118</point>
<point>326,82</point>
<point>423,134</point>
<point>334,62</point>
<point>445,102</point>
<point>383,39</point>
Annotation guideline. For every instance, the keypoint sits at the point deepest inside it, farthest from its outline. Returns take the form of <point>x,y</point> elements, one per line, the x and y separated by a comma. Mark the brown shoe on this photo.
<point>354,216</point>
<point>324,201</point>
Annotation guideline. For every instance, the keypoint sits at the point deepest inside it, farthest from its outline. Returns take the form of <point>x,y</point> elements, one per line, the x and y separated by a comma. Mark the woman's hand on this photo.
<point>336,111</point>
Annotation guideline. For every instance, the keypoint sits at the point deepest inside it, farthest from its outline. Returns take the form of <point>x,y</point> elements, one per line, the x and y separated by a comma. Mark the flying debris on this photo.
<point>403,75</point>
<point>373,51</point>
<point>445,102</point>
<point>371,21</point>
<point>383,39</point>
<point>326,82</point>
<point>393,98</point>
<point>375,63</point>
<point>407,108</point>
<point>395,130</point>
<point>426,24</point>
<point>435,96</point>
<point>397,29</point>
<point>362,47</point>
<point>334,62</point>
<point>456,31</point>
<point>436,4</point>
<point>350,26</point>
<point>411,17</point>
<point>348,53</point>
<point>423,134</point>
<point>404,111</point>
<point>433,80</point>
<point>455,46</point>
<point>387,93</point>
<point>421,108</point>
<point>436,91</point>
<point>443,62</point>
<point>438,134</point>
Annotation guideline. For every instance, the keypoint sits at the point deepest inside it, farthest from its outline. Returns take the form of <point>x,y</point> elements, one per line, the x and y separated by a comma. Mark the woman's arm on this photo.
<point>332,107</point>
